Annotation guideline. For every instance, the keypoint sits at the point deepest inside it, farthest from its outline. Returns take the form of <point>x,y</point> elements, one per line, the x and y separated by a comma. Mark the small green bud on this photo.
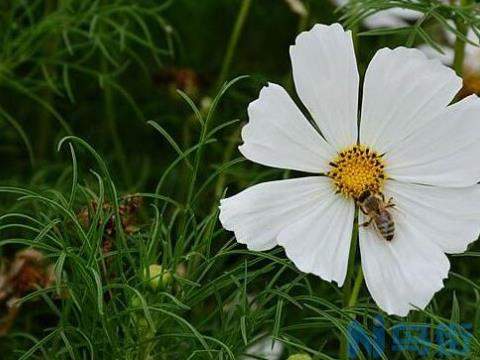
<point>157,277</point>
<point>144,330</point>
<point>300,357</point>
<point>135,302</point>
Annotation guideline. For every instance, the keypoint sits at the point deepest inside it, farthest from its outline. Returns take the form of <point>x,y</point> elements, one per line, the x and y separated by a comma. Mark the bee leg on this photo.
<point>363,210</point>
<point>366,223</point>
<point>390,203</point>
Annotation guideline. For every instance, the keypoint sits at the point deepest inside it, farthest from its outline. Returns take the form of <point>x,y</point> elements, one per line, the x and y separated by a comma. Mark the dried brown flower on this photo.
<point>27,271</point>
<point>127,209</point>
<point>185,79</point>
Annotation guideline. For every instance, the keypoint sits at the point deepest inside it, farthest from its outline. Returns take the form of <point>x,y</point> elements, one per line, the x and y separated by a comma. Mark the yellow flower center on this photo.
<point>355,169</point>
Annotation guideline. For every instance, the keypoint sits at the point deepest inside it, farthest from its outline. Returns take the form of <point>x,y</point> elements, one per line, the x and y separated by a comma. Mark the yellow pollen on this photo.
<point>355,169</point>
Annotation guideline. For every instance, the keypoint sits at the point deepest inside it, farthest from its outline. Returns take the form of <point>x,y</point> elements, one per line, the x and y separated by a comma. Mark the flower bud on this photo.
<point>300,357</point>
<point>158,277</point>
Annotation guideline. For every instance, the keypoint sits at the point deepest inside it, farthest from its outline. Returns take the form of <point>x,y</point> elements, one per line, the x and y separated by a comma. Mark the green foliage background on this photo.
<point>89,113</point>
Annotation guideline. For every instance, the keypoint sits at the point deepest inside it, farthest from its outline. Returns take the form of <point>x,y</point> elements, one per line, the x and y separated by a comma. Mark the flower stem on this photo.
<point>109,113</point>
<point>347,287</point>
<point>350,294</point>
<point>356,288</point>
<point>45,118</point>
<point>232,43</point>
<point>460,42</point>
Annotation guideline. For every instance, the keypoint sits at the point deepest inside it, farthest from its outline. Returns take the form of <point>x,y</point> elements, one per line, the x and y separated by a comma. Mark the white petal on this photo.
<point>404,273</point>
<point>395,17</point>
<point>259,213</point>
<point>319,242</point>
<point>266,348</point>
<point>303,215</point>
<point>403,91</point>
<point>383,19</point>
<point>445,58</point>
<point>326,80</point>
<point>279,135</point>
<point>449,217</point>
<point>407,14</point>
<point>445,152</point>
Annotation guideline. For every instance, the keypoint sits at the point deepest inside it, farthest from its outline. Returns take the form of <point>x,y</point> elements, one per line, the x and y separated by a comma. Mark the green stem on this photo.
<point>347,287</point>
<point>356,288</point>
<point>459,42</point>
<point>459,50</point>
<point>302,26</point>
<point>232,43</point>
<point>233,141</point>
<point>355,39</point>
<point>114,133</point>
<point>45,118</point>
<point>350,294</point>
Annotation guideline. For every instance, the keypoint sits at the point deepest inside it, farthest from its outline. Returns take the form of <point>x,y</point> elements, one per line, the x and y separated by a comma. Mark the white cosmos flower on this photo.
<point>393,17</point>
<point>421,152</point>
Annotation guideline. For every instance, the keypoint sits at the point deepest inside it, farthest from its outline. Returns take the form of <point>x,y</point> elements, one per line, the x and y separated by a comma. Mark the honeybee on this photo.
<point>376,208</point>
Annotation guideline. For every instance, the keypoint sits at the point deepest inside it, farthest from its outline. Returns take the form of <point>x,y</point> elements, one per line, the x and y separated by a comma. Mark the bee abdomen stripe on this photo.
<point>386,226</point>
<point>386,229</point>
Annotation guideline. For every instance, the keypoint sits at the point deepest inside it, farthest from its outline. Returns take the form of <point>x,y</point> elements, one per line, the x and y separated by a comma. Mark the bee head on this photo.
<point>363,195</point>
